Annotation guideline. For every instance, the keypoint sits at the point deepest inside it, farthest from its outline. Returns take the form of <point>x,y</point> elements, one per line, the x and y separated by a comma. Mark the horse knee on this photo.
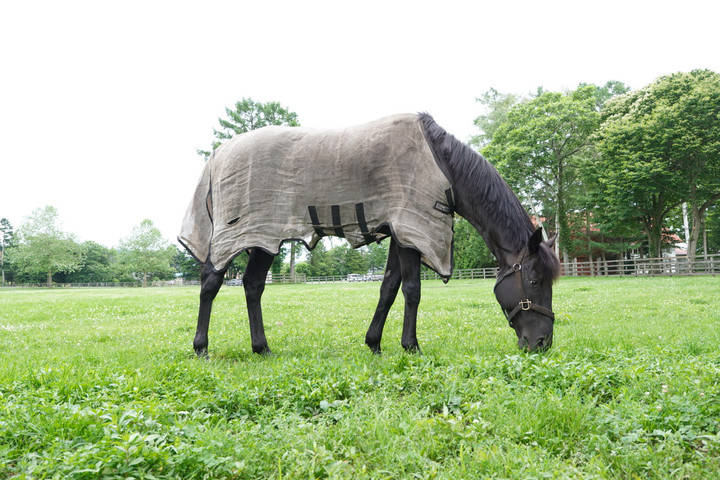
<point>253,290</point>
<point>210,283</point>
<point>411,292</point>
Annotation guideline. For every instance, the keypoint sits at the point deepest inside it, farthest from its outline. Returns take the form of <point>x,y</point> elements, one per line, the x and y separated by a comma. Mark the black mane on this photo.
<point>489,199</point>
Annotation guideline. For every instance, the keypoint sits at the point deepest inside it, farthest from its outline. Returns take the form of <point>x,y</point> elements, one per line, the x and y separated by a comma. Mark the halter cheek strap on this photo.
<point>526,304</point>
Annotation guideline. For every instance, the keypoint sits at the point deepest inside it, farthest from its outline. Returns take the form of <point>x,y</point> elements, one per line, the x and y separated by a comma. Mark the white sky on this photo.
<point>103,103</point>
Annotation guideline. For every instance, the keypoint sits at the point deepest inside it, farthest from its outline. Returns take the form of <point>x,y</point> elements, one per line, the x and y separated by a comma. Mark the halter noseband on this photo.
<point>526,304</point>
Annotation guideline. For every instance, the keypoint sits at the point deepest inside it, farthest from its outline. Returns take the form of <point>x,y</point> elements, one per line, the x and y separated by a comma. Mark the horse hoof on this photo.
<point>414,349</point>
<point>262,350</point>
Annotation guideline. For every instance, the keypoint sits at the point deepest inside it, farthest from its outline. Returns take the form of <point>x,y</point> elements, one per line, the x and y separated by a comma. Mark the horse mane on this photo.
<point>489,198</point>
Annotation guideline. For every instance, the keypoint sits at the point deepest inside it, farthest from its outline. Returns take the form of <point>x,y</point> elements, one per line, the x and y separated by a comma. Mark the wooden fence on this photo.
<point>667,266</point>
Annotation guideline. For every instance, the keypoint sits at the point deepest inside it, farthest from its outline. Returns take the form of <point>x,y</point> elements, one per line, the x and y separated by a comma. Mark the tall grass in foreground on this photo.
<point>102,383</point>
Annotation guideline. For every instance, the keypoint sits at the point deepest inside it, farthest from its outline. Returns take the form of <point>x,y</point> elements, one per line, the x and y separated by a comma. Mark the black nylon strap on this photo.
<point>315,221</point>
<point>528,305</point>
<point>337,224</point>
<point>362,223</point>
<point>449,197</point>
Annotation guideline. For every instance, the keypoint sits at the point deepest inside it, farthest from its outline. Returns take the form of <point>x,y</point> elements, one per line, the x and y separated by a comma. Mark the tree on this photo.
<point>96,264</point>
<point>43,247</point>
<point>538,147</point>
<point>376,255</point>
<point>470,250</point>
<point>186,265</point>
<point>660,147</point>
<point>497,105</point>
<point>7,236</point>
<point>247,115</point>
<point>146,253</point>
<point>711,232</point>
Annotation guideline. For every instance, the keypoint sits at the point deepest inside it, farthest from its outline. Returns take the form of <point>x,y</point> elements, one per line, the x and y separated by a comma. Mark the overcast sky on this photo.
<point>103,103</point>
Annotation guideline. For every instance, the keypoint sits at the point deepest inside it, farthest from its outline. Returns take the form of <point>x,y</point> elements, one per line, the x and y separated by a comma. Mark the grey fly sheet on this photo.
<point>362,183</point>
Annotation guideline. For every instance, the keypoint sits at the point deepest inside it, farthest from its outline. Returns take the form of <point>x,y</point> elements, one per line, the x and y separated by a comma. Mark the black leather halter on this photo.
<point>526,304</point>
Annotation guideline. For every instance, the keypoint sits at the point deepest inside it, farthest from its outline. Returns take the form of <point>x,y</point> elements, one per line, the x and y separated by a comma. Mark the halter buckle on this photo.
<point>517,267</point>
<point>525,304</point>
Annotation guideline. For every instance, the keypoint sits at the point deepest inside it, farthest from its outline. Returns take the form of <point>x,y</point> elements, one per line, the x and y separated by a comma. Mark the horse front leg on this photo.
<point>410,271</point>
<point>210,283</point>
<point>388,293</point>
<point>254,283</point>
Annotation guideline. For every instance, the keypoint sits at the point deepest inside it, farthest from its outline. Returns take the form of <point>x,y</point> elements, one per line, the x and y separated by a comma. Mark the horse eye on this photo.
<point>534,283</point>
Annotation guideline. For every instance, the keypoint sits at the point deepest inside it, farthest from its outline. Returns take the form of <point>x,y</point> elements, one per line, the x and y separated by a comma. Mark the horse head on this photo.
<point>524,292</point>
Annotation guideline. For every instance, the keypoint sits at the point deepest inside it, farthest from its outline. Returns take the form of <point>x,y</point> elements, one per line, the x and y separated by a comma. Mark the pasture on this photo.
<point>103,383</point>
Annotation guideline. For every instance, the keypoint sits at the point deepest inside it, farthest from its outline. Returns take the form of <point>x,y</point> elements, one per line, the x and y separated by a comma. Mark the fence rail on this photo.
<point>667,266</point>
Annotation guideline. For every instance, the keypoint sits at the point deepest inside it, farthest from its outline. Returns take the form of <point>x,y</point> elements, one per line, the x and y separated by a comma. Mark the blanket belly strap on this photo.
<point>362,223</point>
<point>315,221</point>
<point>337,223</point>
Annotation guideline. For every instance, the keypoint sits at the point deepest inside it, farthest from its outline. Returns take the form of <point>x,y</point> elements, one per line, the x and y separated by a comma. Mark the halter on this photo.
<point>526,304</point>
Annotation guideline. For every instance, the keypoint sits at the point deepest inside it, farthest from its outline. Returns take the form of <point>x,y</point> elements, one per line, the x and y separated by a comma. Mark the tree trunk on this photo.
<point>698,217</point>
<point>686,226</point>
<point>49,279</point>
<point>293,246</point>
<point>589,240</point>
<point>144,279</point>
<point>695,226</point>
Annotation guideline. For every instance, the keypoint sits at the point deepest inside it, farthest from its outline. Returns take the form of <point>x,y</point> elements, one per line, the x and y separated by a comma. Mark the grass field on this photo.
<point>102,383</point>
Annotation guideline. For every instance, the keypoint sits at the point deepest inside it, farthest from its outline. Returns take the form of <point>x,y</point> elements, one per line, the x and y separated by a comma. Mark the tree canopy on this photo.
<point>602,164</point>
<point>660,147</point>
<point>247,115</point>
<point>43,247</point>
<point>538,147</point>
<point>146,253</point>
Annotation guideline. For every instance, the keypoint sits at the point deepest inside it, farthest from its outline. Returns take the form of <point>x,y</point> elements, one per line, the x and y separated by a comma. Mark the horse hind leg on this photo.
<point>388,293</point>
<point>254,283</point>
<point>210,283</point>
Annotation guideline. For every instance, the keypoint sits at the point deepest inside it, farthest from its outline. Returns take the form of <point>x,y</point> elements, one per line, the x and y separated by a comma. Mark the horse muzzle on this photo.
<point>535,344</point>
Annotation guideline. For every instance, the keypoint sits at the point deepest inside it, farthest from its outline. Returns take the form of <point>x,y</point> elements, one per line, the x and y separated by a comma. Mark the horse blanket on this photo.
<point>362,183</point>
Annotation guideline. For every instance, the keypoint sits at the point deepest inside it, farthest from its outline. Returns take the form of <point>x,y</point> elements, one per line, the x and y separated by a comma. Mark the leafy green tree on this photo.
<point>660,147</point>
<point>96,265</point>
<point>247,115</point>
<point>470,250</point>
<point>318,264</point>
<point>376,255</point>
<point>606,92</point>
<point>355,261</point>
<point>186,265</point>
<point>538,148</point>
<point>7,237</point>
<point>146,253</point>
<point>496,105</point>
<point>44,248</point>
<point>712,230</point>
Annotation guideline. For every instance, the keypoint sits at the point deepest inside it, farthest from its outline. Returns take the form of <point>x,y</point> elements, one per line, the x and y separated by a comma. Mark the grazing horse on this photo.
<point>401,177</point>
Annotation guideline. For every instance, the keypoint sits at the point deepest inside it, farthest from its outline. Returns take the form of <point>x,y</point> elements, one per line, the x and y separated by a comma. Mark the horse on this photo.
<point>402,177</point>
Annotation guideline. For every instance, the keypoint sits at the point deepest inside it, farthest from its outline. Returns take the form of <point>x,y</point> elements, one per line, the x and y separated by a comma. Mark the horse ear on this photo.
<point>535,240</point>
<point>551,240</point>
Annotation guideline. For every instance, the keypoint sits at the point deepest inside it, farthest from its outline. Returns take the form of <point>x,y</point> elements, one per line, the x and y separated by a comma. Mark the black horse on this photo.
<point>528,266</point>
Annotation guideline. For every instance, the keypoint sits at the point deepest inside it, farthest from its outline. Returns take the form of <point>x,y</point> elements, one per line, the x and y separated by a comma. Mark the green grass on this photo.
<point>103,383</point>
